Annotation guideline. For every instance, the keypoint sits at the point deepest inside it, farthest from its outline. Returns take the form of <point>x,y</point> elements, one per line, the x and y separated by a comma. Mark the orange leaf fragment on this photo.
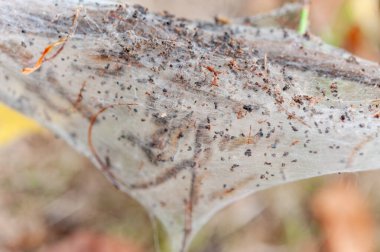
<point>42,59</point>
<point>62,41</point>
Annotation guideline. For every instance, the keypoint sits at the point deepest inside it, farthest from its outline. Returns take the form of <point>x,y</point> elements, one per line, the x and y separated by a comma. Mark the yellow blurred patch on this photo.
<point>14,125</point>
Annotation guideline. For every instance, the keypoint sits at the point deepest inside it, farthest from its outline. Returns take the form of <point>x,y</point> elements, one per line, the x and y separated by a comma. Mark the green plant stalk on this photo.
<point>304,20</point>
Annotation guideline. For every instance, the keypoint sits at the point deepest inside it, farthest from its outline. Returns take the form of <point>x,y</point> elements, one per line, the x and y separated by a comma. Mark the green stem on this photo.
<point>304,20</point>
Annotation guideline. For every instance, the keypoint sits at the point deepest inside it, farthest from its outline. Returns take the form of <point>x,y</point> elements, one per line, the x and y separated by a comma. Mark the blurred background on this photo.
<point>53,199</point>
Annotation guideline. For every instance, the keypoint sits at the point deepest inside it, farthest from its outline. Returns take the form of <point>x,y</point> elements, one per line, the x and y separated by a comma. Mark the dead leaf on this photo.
<point>345,218</point>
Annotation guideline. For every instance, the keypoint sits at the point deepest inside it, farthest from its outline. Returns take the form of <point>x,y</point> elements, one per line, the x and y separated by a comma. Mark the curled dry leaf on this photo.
<point>189,116</point>
<point>344,217</point>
